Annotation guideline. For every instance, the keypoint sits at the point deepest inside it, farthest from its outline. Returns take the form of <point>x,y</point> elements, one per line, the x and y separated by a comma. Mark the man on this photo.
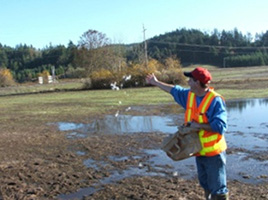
<point>205,110</point>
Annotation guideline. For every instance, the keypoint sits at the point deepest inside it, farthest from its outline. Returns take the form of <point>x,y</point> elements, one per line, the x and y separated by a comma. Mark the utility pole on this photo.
<point>53,74</point>
<point>145,47</point>
<point>224,62</point>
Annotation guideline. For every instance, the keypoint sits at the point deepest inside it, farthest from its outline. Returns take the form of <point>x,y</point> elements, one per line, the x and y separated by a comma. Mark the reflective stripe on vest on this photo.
<point>213,143</point>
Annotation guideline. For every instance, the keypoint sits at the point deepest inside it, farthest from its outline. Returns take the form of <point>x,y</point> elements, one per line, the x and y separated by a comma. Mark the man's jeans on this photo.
<point>212,173</point>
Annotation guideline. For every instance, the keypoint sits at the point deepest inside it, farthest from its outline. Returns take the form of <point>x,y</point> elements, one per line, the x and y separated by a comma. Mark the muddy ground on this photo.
<point>40,162</point>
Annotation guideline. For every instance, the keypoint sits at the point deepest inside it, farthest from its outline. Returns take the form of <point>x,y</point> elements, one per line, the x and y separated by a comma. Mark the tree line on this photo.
<point>224,49</point>
<point>94,52</point>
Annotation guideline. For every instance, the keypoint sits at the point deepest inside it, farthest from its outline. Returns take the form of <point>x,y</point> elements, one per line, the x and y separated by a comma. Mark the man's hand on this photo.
<point>195,125</point>
<point>198,126</point>
<point>151,79</point>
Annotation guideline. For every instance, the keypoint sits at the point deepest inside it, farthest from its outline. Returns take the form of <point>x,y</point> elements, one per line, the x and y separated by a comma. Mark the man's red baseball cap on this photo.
<point>201,74</point>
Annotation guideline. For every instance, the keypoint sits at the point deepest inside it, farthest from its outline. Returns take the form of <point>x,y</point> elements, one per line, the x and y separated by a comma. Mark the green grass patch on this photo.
<point>81,105</point>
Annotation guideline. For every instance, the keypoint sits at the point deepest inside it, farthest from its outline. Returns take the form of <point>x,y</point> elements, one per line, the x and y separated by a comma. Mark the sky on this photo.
<point>42,23</point>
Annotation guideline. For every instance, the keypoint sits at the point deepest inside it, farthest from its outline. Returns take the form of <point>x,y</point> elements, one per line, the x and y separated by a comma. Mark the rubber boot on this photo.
<point>207,194</point>
<point>219,197</point>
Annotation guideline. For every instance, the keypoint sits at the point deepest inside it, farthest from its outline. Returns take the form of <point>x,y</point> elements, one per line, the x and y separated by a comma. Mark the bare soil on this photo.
<point>39,162</point>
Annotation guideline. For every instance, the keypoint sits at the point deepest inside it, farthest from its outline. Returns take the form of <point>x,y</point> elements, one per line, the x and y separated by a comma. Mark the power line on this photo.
<point>208,46</point>
<point>210,52</point>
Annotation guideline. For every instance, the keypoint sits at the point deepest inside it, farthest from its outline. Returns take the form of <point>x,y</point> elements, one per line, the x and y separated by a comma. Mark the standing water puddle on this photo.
<point>124,124</point>
<point>248,129</point>
<point>247,121</point>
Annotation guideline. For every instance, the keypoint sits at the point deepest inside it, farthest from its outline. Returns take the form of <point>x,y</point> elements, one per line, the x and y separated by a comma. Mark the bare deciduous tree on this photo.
<point>93,39</point>
<point>95,52</point>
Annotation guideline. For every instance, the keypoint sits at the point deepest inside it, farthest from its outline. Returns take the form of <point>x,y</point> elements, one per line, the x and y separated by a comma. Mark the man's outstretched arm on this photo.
<point>151,79</point>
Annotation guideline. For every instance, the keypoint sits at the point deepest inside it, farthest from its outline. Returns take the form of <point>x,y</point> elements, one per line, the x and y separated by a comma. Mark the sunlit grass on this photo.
<point>35,88</point>
<point>81,105</point>
<point>243,94</point>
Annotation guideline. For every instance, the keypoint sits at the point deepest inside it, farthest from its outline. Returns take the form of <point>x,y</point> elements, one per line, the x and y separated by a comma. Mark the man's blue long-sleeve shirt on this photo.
<point>216,113</point>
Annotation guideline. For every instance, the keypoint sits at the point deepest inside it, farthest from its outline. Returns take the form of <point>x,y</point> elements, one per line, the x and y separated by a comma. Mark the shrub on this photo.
<point>172,73</point>
<point>102,79</point>
<point>134,75</point>
<point>140,71</point>
<point>87,83</point>
<point>172,76</point>
<point>75,72</point>
<point>6,78</point>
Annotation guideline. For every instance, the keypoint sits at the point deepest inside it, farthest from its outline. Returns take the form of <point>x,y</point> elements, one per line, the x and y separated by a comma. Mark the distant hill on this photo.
<point>194,46</point>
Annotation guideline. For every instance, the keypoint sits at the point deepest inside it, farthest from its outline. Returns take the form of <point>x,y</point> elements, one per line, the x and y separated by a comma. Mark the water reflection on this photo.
<point>248,125</point>
<point>240,105</point>
<point>126,124</point>
<point>134,124</point>
<point>251,112</point>
<point>248,128</point>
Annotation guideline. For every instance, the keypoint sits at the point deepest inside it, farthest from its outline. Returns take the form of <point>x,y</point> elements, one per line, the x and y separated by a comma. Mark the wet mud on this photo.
<point>53,161</point>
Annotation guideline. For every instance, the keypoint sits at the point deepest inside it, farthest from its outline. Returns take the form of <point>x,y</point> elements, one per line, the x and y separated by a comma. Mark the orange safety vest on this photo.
<point>212,143</point>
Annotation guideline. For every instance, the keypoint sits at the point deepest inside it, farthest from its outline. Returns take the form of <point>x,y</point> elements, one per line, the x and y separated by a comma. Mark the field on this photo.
<point>37,161</point>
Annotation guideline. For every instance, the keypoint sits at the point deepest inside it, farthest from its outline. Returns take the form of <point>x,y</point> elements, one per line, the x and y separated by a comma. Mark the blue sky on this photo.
<point>44,22</point>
